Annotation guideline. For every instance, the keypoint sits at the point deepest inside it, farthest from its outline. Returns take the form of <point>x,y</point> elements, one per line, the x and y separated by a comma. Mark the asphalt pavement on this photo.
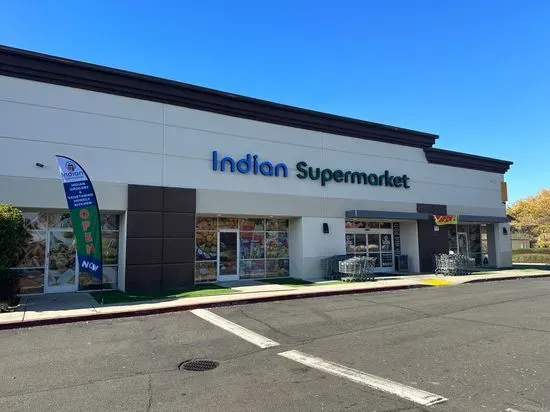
<point>479,347</point>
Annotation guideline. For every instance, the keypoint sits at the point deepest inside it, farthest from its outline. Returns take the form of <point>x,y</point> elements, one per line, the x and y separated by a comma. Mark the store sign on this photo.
<point>252,164</point>
<point>84,213</point>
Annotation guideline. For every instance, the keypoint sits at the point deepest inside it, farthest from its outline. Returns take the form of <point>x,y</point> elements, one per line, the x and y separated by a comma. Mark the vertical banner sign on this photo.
<point>84,216</point>
<point>396,239</point>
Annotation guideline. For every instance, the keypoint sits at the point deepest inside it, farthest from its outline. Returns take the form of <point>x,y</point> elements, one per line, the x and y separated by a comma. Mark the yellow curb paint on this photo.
<point>437,282</point>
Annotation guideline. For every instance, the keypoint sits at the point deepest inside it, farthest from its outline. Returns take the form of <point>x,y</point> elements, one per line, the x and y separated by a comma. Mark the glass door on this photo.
<point>386,247</point>
<point>61,266</point>
<point>462,241</point>
<point>228,255</point>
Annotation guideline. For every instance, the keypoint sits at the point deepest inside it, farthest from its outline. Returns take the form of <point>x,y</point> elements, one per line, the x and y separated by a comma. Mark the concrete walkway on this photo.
<point>74,307</point>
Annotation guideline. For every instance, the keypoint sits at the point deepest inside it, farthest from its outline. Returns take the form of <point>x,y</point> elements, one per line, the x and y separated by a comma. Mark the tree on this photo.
<point>12,235</point>
<point>532,216</point>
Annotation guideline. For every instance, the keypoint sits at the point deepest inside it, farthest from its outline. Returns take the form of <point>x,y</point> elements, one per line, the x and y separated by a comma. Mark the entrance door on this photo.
<point>228,255</point>
<point>462,241</point>
<point>61,266</point>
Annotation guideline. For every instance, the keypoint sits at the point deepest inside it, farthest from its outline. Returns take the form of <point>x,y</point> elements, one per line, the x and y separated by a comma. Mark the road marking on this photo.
<point>403,391</point>
<point>512,410</point>
<point>238,330</point>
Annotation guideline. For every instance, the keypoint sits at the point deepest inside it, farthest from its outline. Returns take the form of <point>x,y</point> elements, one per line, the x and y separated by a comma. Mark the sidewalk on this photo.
<point>76,307</point>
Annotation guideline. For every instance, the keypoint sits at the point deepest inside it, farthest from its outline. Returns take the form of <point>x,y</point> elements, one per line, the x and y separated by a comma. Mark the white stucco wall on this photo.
<point>120,140</point>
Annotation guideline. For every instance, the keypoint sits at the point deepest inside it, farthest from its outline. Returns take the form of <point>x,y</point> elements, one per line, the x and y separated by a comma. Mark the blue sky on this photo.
<point>475,72</point>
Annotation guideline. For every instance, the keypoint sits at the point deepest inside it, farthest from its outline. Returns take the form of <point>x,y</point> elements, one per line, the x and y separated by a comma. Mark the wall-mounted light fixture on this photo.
<point>39,164</point>
<point>505,231</point>
<point>325,228</point>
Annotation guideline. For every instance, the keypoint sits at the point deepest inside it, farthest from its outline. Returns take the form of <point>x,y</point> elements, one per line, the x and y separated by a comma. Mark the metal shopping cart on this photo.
<point>357,269</point>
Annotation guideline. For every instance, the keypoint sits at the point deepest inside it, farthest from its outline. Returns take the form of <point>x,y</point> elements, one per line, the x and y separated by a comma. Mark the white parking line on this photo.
<point>403,391</point>
<point>229,326</point>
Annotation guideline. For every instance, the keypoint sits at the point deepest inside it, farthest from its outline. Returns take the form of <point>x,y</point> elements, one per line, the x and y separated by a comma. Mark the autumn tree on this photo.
<point>532,216</point>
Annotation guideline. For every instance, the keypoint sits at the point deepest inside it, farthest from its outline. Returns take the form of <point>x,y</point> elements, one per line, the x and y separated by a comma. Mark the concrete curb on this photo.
<point>186,307</point>
<point>506,278</point>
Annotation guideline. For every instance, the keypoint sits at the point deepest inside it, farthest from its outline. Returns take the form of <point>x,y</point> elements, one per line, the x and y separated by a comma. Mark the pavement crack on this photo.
<point>150,392</point>
<point>267,325</point>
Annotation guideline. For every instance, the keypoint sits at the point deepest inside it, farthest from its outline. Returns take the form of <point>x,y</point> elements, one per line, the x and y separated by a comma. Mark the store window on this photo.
<point>372,239</point>
<point>263,247</point>
<point>469,240</point>
<point>49,255</point>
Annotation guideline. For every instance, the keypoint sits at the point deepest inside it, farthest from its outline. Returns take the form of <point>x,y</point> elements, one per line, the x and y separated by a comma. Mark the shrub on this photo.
<point>12,235</point>
<point>531,258</point>
<point>537,251</point>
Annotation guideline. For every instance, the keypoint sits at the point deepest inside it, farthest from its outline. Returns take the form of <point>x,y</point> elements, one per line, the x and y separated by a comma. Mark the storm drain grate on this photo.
<point>198,365</point>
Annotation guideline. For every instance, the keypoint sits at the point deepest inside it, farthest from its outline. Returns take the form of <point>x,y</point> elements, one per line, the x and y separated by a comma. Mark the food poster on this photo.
<point>228,223</point>
<point>34,250</point>
<point>205,271</point>
<point>206,246</point>
<point>207,223</point>
<point>62,260</point>
<point>276,225</point>
<point>252,269</point>
<point>386,243</point>
<point>250,225</point>
<point>277,267</point>
<point>252,245</point>
<point>276,245</point>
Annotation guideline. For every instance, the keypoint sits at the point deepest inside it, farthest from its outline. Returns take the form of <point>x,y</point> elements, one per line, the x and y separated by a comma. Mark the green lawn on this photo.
<point>116,296</point>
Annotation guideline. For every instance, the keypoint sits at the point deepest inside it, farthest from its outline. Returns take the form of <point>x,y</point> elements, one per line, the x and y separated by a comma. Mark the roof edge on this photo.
<point>466,161</point>
<point>72,73</point>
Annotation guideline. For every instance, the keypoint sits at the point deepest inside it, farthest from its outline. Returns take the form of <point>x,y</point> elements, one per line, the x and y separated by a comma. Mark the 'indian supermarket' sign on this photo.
<point>252,164</point>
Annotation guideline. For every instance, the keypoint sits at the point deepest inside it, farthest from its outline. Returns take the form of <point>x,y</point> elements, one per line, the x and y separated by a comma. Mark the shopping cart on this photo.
<point>358,268</point>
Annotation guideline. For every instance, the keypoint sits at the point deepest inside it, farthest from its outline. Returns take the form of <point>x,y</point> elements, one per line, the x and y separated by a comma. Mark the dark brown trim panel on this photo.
<point>466,161</point>
<point>50,69</point>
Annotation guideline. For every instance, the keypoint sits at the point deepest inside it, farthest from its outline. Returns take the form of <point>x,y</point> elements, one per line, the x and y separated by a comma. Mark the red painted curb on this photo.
<point>181,308</point>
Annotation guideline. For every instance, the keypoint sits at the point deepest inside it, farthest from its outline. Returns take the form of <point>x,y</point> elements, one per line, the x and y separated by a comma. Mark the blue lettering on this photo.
<point>229,160</point>
<point>243,165</point>
<point>279,167</point>
<point>266,169</point>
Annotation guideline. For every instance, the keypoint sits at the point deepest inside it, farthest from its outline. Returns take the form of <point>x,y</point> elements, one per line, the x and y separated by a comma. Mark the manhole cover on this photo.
<point>198,365</point>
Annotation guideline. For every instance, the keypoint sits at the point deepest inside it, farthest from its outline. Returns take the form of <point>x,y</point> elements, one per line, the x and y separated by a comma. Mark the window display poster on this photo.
<point>396,239</point>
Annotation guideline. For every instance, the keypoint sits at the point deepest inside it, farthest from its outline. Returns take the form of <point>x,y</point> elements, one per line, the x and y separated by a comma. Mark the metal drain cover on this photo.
<point>198,365</point>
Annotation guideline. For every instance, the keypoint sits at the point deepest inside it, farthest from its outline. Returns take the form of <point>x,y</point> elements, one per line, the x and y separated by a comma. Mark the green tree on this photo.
<point>532,216</point>
<point>12,236</point>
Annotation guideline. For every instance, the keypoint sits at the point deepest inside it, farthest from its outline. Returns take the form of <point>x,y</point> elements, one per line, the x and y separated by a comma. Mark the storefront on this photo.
<point>196,185</point>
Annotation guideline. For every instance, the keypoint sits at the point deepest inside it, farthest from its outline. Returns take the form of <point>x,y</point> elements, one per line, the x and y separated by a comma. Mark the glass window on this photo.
<point>110,222</point>
<point>373,225</point>
<point>207,223</point>
<point>276,224</point>
<point>30,280</point>
<point>387,260</point>
<point>386,243</point>
<point>350,243</point>
<point>252,269</point>
<point>228,223</point>
<point>35,220</point>
<point>252,245</point>
<point>385,225</point>
<point>249,225</point>
<point>206,246</point>
<point>358,224</point>
<point>59,220</point>
<point>34,250</point>
<point>360,243</point>
<point>376,256</point>
<point>374,243</point>
<point>349,224</point>
<point>205,272</point>
<point>109,243</point>
<point>276,268</point>
<point>276,245</point>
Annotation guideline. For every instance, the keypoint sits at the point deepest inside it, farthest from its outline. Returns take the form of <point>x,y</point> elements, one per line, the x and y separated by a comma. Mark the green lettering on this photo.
<point>346,176</point>
<point>405,181</point>
<point>397,181</point>
<point>338,176</point>
<point>359,176</point>
<point>301,167</point>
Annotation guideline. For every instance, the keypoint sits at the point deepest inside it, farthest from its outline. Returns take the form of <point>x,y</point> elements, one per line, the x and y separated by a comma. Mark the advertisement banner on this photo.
<point>84,213</point>
<point>445,219</point>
